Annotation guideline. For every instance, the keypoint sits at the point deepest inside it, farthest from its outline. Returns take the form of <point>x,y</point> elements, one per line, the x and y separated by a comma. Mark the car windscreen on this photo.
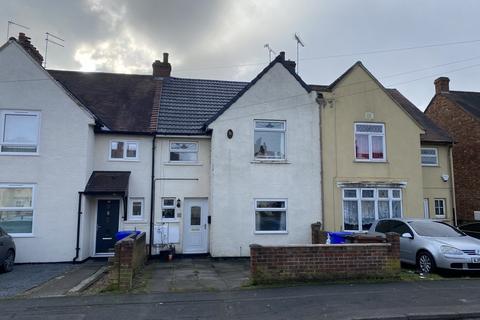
<point>435,229</point>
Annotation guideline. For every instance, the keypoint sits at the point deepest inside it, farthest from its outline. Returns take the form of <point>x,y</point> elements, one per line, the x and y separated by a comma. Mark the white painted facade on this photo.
<point>224,180</point>
<point>62,166</point>
<point>237,179</point>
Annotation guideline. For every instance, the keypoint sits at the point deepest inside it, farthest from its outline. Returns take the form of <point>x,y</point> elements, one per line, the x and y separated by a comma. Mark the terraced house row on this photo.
<point>206,166</point>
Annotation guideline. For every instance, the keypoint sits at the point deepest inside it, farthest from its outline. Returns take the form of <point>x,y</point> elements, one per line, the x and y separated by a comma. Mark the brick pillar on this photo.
<point>318,235</point>
<point>393,262</point>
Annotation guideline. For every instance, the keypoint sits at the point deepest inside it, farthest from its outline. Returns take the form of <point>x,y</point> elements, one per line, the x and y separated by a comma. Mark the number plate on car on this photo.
<point>475,260</point>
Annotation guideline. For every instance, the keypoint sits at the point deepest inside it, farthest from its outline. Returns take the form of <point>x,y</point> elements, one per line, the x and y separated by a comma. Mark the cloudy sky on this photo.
<point>405,44</point>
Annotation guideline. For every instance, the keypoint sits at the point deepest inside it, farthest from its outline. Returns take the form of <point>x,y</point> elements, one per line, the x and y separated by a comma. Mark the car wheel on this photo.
<point>425,262</point>
<point>9,261</point>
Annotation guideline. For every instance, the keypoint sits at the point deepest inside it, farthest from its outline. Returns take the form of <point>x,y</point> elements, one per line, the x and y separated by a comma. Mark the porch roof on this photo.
<point>108,182</point>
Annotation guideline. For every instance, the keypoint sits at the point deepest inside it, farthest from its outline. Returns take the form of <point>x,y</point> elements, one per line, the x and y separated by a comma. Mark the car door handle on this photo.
<point>106,238</point>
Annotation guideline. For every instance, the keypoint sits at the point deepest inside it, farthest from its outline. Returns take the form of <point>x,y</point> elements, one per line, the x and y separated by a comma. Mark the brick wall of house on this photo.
<point>325,262</point>
<point>465,130</point>
<point>130,256</point>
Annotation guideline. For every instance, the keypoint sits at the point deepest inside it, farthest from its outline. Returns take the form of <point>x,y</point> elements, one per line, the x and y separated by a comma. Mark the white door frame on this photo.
<point>203,228</point>
<point>426,208</point>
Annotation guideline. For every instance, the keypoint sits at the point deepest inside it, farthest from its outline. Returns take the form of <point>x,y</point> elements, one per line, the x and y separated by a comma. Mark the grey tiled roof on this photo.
<point>187,104</point>
<point>469,101</point>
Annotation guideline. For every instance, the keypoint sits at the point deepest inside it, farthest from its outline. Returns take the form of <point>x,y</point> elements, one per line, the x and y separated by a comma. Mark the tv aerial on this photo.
<point>55,42</point>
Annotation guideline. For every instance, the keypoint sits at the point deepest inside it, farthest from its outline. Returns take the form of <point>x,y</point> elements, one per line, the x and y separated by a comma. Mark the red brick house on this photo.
<point>458,112</point>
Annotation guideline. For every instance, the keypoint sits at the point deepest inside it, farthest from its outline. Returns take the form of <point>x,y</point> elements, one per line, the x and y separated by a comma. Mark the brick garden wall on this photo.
<point>130,256</point>
<point>325,262</point>
<point>465,130</point>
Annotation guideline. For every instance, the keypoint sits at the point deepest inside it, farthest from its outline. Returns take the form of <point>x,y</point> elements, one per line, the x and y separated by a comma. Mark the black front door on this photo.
<point>107,224</point>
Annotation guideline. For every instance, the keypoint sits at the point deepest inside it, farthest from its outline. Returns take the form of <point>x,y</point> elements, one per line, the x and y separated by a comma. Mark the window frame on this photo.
<point>429,164</point>
<point>255,209</point>
<point>125,148</point>
<point>32,208</point>
<point>284,131</point>
<point>3,113</point>
<point>359,198</point>
<point>130,215</point>
<point>173,206</point>
<point>183,161</point>
<point>444,207</point>
<point>370,135</point>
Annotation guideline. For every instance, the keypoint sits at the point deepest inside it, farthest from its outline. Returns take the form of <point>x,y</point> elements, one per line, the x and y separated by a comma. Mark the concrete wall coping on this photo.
<point>324,245</point>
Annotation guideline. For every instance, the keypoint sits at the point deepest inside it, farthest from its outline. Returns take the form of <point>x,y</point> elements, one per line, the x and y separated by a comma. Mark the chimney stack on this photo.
<point>24,41</point>
<point>441,85</point>
<point>162,69</point>
<point>290,65</point>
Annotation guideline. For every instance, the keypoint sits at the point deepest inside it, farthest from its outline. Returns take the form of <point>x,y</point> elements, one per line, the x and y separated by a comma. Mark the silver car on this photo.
<point>7,251</point>
<point>431,244</point>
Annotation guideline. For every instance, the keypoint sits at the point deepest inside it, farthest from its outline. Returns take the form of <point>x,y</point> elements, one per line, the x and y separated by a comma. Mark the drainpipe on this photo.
<point>79,213</point>
<point>152,198</point>
<point>450,152</point>
<point>321,102</point>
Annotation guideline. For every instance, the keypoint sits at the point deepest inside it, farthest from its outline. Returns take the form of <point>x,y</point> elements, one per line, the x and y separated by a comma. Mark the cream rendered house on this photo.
<point>382,157</point>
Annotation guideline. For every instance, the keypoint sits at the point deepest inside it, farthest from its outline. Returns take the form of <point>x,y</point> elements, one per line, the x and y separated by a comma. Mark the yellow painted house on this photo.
<point>382,157</point>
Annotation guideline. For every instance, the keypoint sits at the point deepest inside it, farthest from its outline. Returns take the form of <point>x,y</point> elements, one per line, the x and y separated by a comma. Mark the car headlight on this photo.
<point>450,250</point>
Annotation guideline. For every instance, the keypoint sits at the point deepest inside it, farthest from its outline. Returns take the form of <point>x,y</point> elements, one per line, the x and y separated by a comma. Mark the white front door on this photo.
<point>426,209</point>
<point>195,226</point>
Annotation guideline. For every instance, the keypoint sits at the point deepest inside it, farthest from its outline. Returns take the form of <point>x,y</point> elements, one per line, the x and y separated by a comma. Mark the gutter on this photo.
<point>454,203</point>
<point>152,199</point>
<point>79,213</point>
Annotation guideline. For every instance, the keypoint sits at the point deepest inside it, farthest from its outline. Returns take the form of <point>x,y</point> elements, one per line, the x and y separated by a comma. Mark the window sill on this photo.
<point>124,160</point>
<point>271,232</point>
<point>28,154</point>
<point>135,221</point>
<point>182,163</point>
<point>430,165</point>
<point>370,161</point>
<point>28,235</point>
<point>258,161</point>
<point>166,220</point>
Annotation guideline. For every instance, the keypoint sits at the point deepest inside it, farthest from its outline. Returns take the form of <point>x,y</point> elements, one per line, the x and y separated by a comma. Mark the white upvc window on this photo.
<point>19,132</point>
<point>362,206</point>
<point>440,208</point>
<point>17,208</point>
<point>370,142</point>
<point>270,216</point>
<point>136,209</point>
<point>269,140</point>
<point>429,156</point>
<point>123,150</point>
<point>168,208</point>
<point>186,151</point>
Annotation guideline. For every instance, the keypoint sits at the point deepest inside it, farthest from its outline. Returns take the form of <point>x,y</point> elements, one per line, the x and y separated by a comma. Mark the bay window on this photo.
<point>19,131</point>
<point>370,142</point>
<point>362,206</point>
<point>16,208</point>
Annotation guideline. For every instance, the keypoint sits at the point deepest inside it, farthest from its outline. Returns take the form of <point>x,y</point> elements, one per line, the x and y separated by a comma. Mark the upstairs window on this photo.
<point>429,156</point>
<point>19,131</point>
<point>369,142</point>
<point>184,151</point>
<point>123,150</point>
<point>269,140</point>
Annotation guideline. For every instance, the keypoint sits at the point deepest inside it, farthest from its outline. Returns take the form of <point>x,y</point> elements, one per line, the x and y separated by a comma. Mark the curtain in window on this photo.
<point>350,213</point>
<point>368,214</point>
<point>377,147</point>
<point>361,146</point>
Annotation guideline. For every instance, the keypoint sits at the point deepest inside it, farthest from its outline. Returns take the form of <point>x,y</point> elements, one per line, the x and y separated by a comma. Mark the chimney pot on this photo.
<point>162,69</point>
<point>282,55</point>
<point>442,84</point>
<point>24,41</point>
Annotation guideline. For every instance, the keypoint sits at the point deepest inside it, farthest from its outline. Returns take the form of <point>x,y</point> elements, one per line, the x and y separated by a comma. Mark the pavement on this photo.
<point>443,299</point>
<point>197,274</point>
<point>46,280</point>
